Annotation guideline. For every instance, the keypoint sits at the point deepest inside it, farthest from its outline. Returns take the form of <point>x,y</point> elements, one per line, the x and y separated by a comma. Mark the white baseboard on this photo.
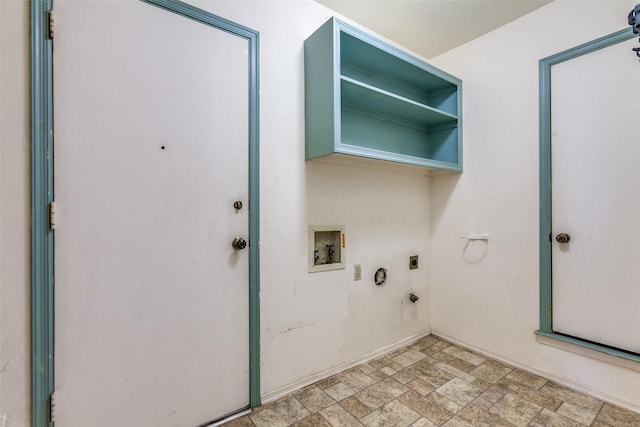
<point>290,388</point>
<point>581,387</point>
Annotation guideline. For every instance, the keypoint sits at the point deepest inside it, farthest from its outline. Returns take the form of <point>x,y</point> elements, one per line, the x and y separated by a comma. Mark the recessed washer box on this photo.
<point>326,247</point>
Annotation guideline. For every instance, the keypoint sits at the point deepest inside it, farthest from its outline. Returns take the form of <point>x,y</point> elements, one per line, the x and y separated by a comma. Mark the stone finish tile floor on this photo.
<point>435,383</point>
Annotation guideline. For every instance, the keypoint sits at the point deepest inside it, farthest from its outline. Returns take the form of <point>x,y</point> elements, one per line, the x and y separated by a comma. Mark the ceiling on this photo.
<point>430,27</point>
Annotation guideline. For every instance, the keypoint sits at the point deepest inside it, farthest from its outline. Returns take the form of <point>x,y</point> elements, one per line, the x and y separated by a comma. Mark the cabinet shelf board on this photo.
<point>369,153</point>
<point>442,97</point>
<point>366,97</point>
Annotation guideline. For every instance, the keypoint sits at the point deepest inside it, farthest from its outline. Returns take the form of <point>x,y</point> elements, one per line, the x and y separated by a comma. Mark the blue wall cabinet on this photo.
<point>367,98</point>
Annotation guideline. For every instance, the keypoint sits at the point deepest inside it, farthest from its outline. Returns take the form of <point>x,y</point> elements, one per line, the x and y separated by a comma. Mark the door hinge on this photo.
<point>52,25</point>
<point>52,407</point>
<point>52,215</point>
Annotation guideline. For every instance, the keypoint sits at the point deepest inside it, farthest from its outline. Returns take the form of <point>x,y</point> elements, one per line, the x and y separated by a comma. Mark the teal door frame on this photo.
<point>42,194</point>
<point>546,230</point>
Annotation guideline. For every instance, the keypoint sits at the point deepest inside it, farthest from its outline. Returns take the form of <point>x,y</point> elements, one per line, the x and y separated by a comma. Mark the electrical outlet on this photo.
<point>413,262</point>
<point>357,272</point>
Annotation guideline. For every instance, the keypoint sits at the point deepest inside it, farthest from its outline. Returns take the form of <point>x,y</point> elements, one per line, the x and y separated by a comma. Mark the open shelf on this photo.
<point>394,107</point>
<point>367,98</point>
<point>361,133</point>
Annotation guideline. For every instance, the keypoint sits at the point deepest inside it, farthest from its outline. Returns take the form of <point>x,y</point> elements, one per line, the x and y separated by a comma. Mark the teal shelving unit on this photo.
<point>367,98</point>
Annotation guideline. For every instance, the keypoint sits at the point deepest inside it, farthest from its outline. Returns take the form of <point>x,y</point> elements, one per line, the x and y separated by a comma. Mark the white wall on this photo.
<point>310,322</point>
<point>14,213</point>
<point>492,303</point>
<point>314,321</point>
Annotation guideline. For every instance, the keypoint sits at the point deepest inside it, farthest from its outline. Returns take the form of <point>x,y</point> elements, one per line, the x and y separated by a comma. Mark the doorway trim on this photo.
<point>546,279</point>
<point>42,195</point>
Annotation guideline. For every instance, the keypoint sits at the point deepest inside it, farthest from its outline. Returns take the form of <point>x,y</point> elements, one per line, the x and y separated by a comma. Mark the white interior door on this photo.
<point>596,197</point>
<point>151,152</point>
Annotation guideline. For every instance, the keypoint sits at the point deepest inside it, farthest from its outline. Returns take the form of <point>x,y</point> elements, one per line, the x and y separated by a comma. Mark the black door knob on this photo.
<point>563,238</point>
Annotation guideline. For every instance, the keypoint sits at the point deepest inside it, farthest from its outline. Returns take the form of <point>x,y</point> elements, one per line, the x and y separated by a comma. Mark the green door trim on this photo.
<point>546,279</point>
<point>42,237</point>
<point>41,197</point>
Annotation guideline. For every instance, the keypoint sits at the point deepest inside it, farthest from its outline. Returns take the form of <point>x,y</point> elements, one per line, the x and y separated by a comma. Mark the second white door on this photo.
<point>596,197</point>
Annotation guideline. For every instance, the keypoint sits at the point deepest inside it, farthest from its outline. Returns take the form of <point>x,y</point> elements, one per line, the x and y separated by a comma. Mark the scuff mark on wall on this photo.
<point>292,328</point>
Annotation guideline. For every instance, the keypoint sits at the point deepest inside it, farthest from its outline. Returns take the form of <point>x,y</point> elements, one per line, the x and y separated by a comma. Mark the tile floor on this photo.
<point>434,383</point>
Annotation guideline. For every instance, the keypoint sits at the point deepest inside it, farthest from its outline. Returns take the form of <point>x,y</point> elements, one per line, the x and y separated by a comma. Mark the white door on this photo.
<point>596,197</point>
<point>151,152</point>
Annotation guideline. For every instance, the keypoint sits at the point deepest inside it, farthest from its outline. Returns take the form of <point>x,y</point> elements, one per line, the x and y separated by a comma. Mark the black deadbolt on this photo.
<point>239,243</point>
